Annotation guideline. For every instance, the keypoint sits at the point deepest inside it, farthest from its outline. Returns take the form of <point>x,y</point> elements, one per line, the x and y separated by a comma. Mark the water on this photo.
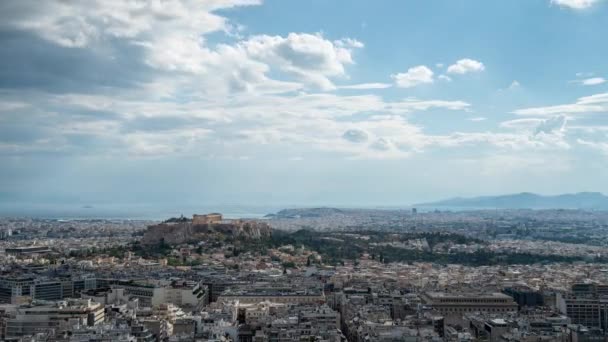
<point>131,211</point>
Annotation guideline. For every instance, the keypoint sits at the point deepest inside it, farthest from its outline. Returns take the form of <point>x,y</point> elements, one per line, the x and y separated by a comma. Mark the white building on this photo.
<point>53,317</point>
<point>183,294</point>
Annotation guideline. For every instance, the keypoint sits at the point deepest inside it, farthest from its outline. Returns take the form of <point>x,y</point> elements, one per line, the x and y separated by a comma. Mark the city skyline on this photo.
<point>269,102</point>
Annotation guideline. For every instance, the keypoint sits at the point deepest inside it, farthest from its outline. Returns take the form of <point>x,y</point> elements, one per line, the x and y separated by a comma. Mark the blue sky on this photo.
<point>301,102</point>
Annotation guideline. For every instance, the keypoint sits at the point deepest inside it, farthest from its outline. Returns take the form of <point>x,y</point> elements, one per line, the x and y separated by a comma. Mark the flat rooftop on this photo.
<point>489,295</point>
<point>271,292</point>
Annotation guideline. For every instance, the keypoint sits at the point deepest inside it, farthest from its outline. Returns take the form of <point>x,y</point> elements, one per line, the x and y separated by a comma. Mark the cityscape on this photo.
<point>304,170</point>
<point>319,274</point>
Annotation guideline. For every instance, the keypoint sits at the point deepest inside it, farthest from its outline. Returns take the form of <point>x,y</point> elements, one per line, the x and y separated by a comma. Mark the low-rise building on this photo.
<point>56,317</point>
<point>456,304</point>
<point>274,294</point>
<point>181,293</point>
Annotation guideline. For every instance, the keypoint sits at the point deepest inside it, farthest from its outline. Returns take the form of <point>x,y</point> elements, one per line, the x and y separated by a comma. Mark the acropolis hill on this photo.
<point>182,230</point>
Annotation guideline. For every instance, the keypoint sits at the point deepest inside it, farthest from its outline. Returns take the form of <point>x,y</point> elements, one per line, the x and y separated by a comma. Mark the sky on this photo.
<point>290,102</point>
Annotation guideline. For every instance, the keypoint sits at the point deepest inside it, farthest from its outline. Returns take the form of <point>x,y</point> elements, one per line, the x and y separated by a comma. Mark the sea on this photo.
<point>153,212</point>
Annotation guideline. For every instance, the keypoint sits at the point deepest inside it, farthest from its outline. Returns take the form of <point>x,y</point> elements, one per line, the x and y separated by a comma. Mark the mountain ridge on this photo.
<point>526,200</point>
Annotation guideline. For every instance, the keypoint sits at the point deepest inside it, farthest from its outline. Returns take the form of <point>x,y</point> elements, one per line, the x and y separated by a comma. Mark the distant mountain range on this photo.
<point>526,200</point>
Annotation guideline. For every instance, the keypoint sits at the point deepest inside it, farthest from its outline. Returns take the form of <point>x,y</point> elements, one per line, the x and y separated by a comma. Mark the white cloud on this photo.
<point>521,124</point>
<point>593,81</point>
<point>445,78</point>
<point>601,146</point>
<point>514,85</point>
<point>239,125</point>
<point>591,129</point>
<point>365,86</point>
<point>236,98</point>
<point>355,135</point>
<point>465,66</point>
<point>381,144</point>
<point>477,119</point>
<point>410,105</point>
<point>556,124</point>
<point>413,77</point>
<point>349,43</point>
<point>575,4</point>
<point>539,133</point>
<point>589,104</point>
<point>85,23</point>
<point>170,36</point>
<point>526,164</point>
<point>156,144</point>
<point>552,125</point>
<point>512,141</point>
<point>11,105</point>
<point>310,58</point>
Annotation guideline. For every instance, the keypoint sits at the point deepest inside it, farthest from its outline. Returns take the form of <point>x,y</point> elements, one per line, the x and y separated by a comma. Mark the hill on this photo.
<point>526,200</point>
<point>176,231</point>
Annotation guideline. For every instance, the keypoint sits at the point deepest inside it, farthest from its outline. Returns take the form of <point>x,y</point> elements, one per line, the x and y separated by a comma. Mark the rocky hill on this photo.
<point>173,233</point>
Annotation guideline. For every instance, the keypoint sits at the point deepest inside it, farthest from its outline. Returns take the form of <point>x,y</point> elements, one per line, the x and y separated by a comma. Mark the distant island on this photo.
<point>525,200</point>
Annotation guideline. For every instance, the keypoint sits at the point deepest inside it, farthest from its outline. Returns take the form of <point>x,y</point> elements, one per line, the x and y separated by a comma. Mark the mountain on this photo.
<point>526,200</point>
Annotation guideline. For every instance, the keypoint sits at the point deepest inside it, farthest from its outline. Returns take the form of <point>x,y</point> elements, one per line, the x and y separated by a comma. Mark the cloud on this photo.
<point>593,81</point>
<point>526,164</point>
<point>77,46</point>
<point>591,129</point>
<point>366,86</point>
<point>70,46</point>
<point>477,119</point>
<point>310,58</point>
<point>87,23</point>
<point>589,104</point>
<point>413,77</point>
<point>537,133</point>
<point>349,43</point>
<point>517,141</point>
<point>381,144</point>
<point>445,78</point>
<point>514,85</point>
<point>535,126</point>
<point>465,66</point>
<point>245,125</point>
<point>552,125</point>
<point>575,4</point>
<point>120,125</point>
<point>601,146</point>
<point>355,136</point>
<point>521,124</point>
<point>11,105</point>
<point>140,79</point>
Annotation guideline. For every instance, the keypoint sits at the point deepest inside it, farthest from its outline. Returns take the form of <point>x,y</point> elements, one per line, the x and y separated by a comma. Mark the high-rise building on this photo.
<point>589,311</point>
<point>525,296</point>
